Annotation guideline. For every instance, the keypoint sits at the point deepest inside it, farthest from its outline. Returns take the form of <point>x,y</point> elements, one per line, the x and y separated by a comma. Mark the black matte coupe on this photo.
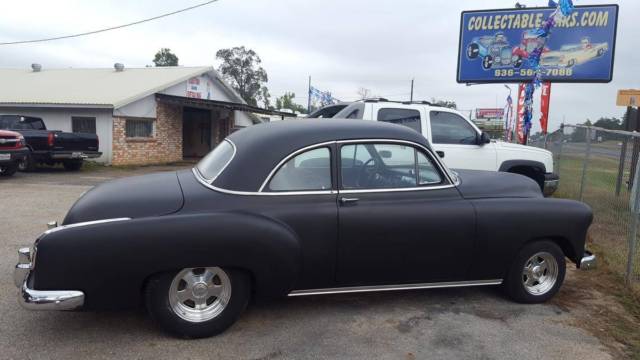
<point>301,207</point>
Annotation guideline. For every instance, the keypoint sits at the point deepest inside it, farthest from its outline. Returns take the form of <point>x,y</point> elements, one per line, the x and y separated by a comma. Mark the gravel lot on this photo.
<point>472,323</point>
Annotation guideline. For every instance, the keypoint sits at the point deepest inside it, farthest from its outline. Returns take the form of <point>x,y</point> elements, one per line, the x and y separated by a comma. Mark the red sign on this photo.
<point>496,113</point>
<point>520,118</point>
<point>545,98</point>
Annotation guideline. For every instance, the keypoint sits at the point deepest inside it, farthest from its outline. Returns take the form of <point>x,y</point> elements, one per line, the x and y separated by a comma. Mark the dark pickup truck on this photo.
<point>51,146</point>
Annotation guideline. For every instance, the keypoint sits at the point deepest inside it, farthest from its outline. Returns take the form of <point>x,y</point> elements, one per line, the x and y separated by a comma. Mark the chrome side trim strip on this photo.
<point>357,289</point>
<point>288,157</point>
<point>422,188</point>
<point>86,223</point>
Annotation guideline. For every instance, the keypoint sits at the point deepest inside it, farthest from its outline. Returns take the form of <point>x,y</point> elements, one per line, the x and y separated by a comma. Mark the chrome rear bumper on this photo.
<point>41,299</point>
<point>588,261</point>
<point>551,182</point>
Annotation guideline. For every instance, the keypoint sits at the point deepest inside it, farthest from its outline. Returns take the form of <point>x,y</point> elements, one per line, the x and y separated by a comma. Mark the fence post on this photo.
<point>584,165</point>
<point>557,164</point>
<point>623,157</point>
<point>635,209</point>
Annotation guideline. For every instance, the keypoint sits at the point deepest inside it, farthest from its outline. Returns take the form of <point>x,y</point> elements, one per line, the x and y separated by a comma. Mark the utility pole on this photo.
<point>411,100</point>
<point>309,97</point>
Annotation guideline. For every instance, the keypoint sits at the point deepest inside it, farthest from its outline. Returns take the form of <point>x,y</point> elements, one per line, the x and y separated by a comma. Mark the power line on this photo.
<point>109,28</point>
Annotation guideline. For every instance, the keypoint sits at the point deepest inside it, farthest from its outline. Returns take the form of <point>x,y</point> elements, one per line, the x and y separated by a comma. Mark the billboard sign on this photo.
<point>494,45</point>
<point>497,113</point>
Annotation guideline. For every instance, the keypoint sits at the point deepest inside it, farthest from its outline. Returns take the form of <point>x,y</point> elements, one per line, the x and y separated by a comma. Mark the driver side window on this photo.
<point>385,166</point>
<point>450,128</point>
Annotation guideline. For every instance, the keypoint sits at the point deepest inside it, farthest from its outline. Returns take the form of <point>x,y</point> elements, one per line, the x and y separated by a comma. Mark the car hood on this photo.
<point>477,184</point>
<point>520,148</point>
<point>133,197</point>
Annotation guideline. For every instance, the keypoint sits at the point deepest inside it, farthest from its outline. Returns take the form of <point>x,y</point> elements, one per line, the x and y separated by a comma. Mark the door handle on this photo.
<point>344,200</point>
<point>440,153</point>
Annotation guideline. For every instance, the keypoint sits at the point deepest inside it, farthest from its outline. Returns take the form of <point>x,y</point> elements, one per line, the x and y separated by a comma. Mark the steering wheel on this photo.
<point>365,175</point>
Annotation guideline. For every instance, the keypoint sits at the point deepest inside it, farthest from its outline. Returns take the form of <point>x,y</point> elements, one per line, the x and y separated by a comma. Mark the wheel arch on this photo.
<point>530,168</point>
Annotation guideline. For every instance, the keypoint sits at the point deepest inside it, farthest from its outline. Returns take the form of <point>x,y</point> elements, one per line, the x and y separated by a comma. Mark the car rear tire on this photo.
<point>8,169</point>
<point>72,165</point>
<point>197,302</point>
<point>27,164</point>
<point>537,273</point>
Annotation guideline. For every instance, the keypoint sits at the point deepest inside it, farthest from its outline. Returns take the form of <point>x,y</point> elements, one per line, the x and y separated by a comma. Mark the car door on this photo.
<point>456,141</point>
<point>400,218</point>
<point>303,197</point>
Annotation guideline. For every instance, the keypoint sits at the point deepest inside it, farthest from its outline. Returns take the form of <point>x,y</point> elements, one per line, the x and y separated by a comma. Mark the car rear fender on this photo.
<point>111,261</point>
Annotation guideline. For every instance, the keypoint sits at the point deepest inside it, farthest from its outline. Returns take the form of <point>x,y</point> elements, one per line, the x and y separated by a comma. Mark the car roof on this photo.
<point>259,148</point>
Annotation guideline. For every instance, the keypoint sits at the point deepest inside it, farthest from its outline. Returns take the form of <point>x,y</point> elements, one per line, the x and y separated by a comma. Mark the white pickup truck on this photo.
<point>458,141</point>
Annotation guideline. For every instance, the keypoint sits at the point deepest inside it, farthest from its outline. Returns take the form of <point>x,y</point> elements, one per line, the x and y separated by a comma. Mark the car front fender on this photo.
<point>110,262</point>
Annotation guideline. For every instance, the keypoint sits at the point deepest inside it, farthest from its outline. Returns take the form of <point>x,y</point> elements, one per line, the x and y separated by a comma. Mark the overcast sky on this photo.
<point>342,44</point>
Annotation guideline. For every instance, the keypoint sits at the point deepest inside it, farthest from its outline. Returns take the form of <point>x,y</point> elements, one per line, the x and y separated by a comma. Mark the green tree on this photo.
<point>164,57</point>
<point>286,102</point>
<point>241,68</point>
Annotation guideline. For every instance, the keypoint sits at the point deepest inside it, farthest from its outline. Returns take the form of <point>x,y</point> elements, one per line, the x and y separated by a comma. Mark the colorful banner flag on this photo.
<point>521,110</point>
<point>318,99</point>
<point>508,119</point>
<point>545,98</point>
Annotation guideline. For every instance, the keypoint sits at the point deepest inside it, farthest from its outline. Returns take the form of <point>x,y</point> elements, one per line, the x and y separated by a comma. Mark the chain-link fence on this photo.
<point>600,167</point>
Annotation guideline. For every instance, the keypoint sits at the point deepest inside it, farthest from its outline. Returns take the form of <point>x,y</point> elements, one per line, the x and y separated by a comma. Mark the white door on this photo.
<point>455,139</point>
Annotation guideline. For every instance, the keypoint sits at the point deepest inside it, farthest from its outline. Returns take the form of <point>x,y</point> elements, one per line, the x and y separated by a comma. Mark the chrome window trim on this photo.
<point>358,289</point>
<point>443,169</point>
<point>233,155</point>
<point>453,180</point>
<point>289,157</point>
<point>253,193</point>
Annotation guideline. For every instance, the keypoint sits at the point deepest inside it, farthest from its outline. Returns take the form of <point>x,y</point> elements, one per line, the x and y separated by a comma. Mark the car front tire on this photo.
<point>27,164</point>
<point>473,50</point>
<point>197,302</point>
<point>487,62</point>
<point>9,169</point>
<point>537,273</point>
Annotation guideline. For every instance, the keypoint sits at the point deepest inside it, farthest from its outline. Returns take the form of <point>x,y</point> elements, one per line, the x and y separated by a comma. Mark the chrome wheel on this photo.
<point>540,273</point>
<point>200,294</point>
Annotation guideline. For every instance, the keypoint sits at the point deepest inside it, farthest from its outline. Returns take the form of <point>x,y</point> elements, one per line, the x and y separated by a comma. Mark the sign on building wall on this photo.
<point>494,45</point>
<point>491,113</point>
<point>199,87</point>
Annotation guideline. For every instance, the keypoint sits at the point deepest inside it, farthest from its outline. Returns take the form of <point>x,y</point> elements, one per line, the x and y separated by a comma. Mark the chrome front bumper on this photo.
<point>588,261</point>
<point>41,299</point>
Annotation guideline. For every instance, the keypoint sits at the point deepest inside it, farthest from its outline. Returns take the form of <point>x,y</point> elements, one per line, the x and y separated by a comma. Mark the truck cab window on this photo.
<point>450,128</point>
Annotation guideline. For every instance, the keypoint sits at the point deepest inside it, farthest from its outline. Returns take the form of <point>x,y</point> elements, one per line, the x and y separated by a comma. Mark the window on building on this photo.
<point>139,128</point>
<point>83,124</point>
<point>407,117</point>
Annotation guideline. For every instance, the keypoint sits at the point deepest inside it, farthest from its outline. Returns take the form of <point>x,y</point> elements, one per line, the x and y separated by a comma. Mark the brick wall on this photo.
<point>165,146</point>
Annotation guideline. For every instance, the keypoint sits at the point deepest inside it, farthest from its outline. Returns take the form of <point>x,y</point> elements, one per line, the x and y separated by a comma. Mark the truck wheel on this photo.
<point>536,273</point>
<point>197,302</point>
<point>487,62</point>
<point>473,50</point>
<point>27,164</point>
<point>530,172</point>
<point>9,169</point>
<point>72,165</point>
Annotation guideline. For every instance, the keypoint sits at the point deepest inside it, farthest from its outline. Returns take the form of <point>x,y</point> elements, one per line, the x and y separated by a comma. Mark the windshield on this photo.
<point>212,165</point>
<point>327,112</point>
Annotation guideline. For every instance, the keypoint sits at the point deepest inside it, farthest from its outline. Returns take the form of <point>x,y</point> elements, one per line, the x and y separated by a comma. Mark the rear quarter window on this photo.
<point>212,165</point>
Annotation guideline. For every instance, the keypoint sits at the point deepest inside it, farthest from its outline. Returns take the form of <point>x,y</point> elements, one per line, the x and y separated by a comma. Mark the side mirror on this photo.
<point>484,138</point>
<point>385,154</point>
